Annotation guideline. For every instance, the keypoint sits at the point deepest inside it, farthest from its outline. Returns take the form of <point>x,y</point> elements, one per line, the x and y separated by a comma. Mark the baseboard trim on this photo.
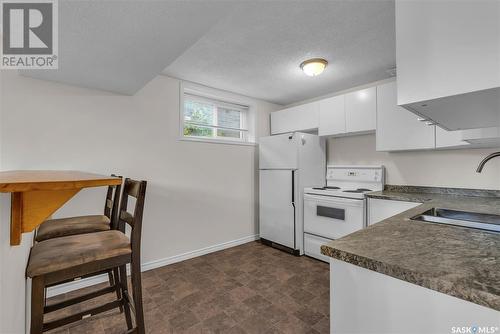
<point>75,285</point>
<point>199,252</point>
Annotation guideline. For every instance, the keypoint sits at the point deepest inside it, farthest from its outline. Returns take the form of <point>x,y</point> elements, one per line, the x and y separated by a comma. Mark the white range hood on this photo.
<point>464,111</point>
<point>487,136</point>
<point>448,61</point>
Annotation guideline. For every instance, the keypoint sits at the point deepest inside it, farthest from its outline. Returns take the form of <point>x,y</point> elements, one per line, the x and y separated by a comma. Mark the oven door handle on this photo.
<point>331,200</point>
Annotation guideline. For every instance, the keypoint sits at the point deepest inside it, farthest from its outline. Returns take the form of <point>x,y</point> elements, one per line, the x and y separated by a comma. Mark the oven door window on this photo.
<point>329,212</point>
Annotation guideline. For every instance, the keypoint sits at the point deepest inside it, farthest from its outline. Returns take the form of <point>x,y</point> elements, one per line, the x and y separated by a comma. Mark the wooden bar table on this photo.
<point>37,194</point>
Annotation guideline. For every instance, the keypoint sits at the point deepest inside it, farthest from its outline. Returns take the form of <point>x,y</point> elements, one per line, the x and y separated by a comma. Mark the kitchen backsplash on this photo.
<point>437,168</point>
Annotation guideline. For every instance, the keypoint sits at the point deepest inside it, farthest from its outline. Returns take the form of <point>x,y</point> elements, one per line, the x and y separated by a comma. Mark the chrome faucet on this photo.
<point>485,160</point>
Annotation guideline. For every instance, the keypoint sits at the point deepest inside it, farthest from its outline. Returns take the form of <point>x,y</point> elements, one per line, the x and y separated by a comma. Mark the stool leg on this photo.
<point>37,304</point>
<point>137,290</point>
<point>123,285</point>
<point>113,279</point>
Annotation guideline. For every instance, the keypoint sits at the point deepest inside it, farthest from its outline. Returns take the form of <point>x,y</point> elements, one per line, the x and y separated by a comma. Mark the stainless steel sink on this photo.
<point>479,221</point>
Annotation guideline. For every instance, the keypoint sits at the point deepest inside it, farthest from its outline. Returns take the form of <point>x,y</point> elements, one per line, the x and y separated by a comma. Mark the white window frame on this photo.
<point>209,95</point>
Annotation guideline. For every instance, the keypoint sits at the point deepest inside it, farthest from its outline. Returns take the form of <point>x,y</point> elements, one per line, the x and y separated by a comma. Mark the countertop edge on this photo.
<point>398,198</point>
<point>446,287</point>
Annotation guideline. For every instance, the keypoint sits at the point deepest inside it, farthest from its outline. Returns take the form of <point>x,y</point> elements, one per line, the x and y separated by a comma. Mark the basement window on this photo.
<point>211,119</point>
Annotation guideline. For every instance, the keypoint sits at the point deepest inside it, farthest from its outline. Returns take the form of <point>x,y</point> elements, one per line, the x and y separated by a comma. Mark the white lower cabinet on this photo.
<point>363,301</point>
<point>397,128</point>
<point>380,209</point>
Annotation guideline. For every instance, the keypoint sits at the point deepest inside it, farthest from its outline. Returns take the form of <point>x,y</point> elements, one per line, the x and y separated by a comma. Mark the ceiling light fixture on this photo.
<point>313,67</point>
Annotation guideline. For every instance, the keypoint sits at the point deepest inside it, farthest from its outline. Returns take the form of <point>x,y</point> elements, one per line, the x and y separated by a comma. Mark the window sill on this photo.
<point>217,141</point>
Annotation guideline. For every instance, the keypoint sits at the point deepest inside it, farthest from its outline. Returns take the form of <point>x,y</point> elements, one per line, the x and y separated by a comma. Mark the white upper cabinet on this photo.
<point>448,61</point>
<point>332,116</point>
<point>449,139</point>
<point>485,137</point>
<point>397,128</point>
<point>349,113</point>
<point>353,112</point>
<point>360,110</point>
<point>304,117</point>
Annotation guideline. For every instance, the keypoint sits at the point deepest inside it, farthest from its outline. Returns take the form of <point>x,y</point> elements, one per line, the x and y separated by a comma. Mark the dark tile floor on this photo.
<point>246,289</point>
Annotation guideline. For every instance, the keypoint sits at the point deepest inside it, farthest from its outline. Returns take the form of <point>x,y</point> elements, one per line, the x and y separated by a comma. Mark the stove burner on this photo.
<point>326,188</point>
<point>359,190</point>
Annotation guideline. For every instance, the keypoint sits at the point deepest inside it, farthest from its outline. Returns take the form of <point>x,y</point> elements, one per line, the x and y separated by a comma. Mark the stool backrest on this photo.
<point>137,190</point>
<point>112,203</point>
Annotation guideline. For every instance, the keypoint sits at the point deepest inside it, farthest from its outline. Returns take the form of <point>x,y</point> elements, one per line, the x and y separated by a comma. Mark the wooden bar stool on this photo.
<point>55,228</point>
<point>61,259</point>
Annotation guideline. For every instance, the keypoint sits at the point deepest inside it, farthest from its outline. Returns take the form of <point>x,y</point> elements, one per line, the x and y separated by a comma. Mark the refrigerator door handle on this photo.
<point>294,223</point>
<point>294,211</point>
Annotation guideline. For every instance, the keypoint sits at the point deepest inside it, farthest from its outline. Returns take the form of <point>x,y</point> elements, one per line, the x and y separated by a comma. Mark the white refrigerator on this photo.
<point>287,164</point>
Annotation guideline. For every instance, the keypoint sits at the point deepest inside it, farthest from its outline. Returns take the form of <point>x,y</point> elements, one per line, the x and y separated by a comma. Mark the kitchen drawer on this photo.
<point>312,246</point>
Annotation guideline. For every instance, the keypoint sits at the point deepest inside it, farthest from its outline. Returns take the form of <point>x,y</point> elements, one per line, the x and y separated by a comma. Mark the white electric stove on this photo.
<point>338,208</point>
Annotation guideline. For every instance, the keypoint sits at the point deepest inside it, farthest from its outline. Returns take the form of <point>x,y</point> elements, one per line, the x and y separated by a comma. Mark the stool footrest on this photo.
<point>81,315</point>
<point>102,272</point>
<point>78,299</point>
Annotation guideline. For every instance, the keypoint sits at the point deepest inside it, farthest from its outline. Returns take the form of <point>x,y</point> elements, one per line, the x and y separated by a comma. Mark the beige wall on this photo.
<point>199,194</point>
<point>447,168</point>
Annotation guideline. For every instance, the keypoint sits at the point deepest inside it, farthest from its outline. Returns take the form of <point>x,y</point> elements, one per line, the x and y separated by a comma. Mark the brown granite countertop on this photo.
<point>457,261</point>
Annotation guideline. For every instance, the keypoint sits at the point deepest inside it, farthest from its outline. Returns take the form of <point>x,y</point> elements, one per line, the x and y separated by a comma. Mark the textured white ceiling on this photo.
<point>248,47</point>
<point>256,50</point>
<point>121,45</point>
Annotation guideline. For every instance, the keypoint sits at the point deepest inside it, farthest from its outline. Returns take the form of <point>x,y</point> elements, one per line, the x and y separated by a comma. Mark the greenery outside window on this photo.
<point>207,118</point>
